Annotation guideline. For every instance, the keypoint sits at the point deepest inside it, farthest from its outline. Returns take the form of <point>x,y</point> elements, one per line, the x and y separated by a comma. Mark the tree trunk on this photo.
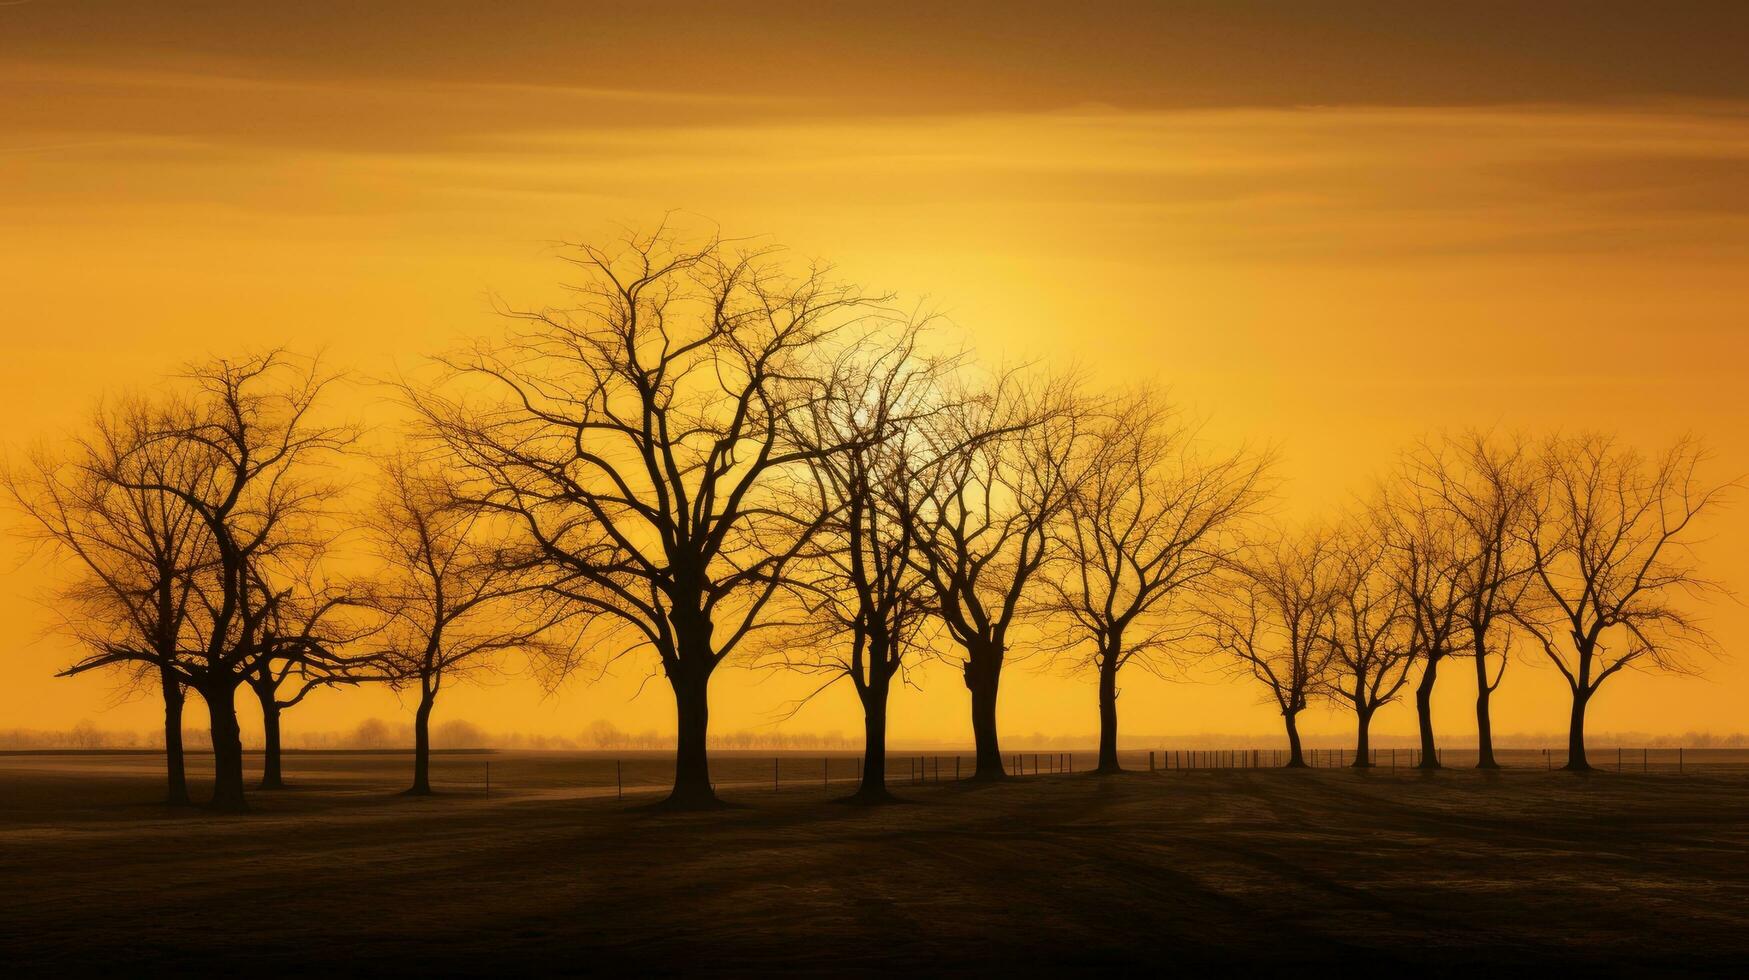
<point>692,777</point>
<point>1424,712</point>
<point>1363,737</point>
<point>175,773</point>
<point>1295,757</point>
<point>221,706</point>
<point>1484,718</point>
<point>271,775</point>
<point>983,678</point>
<point>873,788</point>
<point>422,745</point>
<point>1576,760</point>
<point>1108,714</point>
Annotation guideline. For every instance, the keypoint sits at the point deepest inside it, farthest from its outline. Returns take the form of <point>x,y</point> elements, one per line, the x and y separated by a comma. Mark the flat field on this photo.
<point>1262,870</point>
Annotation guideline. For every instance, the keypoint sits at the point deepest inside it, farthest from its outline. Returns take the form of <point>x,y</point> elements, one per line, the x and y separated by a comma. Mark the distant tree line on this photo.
<point>712,453</point>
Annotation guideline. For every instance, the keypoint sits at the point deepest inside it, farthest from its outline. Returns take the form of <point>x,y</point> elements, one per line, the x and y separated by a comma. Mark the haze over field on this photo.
<point>1329,239</point>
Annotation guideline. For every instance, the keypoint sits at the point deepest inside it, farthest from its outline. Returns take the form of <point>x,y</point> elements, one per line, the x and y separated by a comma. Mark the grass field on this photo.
<point>1454,872</point>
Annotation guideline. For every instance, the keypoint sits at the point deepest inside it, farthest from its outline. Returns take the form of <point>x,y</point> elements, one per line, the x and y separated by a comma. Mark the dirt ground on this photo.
<point>1262,870</point>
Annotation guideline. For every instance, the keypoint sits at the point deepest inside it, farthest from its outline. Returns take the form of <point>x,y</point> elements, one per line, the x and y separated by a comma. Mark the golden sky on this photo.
<point>1330,230</point>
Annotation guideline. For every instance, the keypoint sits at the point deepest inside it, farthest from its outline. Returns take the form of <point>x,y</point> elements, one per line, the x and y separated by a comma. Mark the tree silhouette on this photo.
<point>860,584</point>
<point>136,551</point>
<point>642,443</point>
<point>1270,618</point>
<point>1370,632</point>
<point>293,619</point>
<point>1426,565</point>
<point>1000,475</point>
<point>1154,514</point>
<point>1610,535</point>
<point>456,591</point>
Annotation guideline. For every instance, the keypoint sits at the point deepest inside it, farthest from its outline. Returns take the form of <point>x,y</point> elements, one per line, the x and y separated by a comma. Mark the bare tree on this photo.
<point>457,591</point>
<point>860,583</point>
<point>1270,618</point>
<point>1610,535</point>
<point>1000,475</point>
<point>641,442</point>
<point>295,620</point>
<point>1426,565</point>
<point>1154,514</point>
<point>257,491</point>
<point>1486,486</point>
<point>1370,632</point>
<point>135,550</point>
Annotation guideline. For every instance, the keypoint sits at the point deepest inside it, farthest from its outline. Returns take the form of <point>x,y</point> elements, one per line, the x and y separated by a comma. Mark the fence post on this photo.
<point>1679,759</point>
<point>1644,765</point>
<point>956,767</point>
<point>1618,758</point>
<point>488,777</point>
<point>1150,761</point>
<point>774,774</point>
<point>619,785</point>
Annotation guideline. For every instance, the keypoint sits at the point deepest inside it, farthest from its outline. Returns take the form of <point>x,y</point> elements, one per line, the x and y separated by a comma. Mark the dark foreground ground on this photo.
<point>1190,872</point>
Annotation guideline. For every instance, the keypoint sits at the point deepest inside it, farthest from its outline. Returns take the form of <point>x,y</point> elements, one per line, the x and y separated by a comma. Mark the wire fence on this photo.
<point>462,776</point>
<point>1618,759</point>
<point>645,772</point>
